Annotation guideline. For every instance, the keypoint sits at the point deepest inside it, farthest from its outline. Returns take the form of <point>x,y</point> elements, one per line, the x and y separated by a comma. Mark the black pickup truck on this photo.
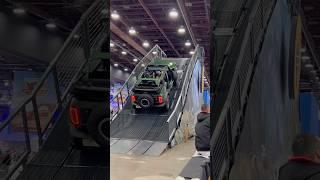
<point>88,108</point>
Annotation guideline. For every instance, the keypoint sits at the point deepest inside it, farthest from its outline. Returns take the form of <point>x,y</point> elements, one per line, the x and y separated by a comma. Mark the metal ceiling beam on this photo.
<point>186,20</point>
<point>117,31</point>
<point>159,28</point>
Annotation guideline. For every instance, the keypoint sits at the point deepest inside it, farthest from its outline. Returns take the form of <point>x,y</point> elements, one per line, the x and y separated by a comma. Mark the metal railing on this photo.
<point>121,97</point>
<point>179,106</point>
<point>63,70</point>
<point>233,88</point>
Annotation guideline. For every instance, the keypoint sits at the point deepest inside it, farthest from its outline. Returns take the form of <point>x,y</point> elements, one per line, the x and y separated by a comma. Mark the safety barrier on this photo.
<point>234,83</point>
<point>122,95</point>
<point>88,34</point>
<point>178,108</point>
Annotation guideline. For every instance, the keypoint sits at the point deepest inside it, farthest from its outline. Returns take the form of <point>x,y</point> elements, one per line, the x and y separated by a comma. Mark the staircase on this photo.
<point>86,38</point>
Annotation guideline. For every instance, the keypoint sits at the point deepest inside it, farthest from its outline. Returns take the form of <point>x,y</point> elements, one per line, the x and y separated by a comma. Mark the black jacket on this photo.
<point>202,130</point>
<point>300,170</point>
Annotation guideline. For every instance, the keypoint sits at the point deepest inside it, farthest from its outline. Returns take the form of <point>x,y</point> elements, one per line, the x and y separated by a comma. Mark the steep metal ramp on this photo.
<point>150,132</point>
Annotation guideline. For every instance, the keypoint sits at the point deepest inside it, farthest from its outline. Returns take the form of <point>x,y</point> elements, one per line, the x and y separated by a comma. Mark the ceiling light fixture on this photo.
<point>19,11</point>
<point>115,15</point>
<point>308,65</point>
<point>124,53</point>
<point>132,31</point>
<point>125,69</point>
<point>145,44</point>
<point>111,44</point>
<point>116,65</point>
<point>76,36</point>
<point>135,60</point>
<point>154,52</point>
<point>187,43</point>
<point>173,14</point>
<point>191,52</point>
<point>51,25</point>
<point>143,65</point>
<point>181,30</point>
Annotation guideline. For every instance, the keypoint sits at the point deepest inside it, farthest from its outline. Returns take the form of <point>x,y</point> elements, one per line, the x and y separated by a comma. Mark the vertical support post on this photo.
<point>37,119</point>
<point>121,99</point>
<point>118,104</point>
<point>229,137</point>
<point>56,85</point>
<point>128,90</point>
<point>86,39</point>
<point>26,129</point>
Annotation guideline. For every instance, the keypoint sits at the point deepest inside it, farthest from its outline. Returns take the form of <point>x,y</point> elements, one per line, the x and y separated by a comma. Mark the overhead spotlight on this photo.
<point>308,65</point>
<point>191,52</point>
<point>125,69</point>
<point>173,14</point>
<point>135,60</point>
<point>116,65</point>
<point>19,11</point>
<point>132,31</point>
<point>51,25</point>
<point>124,53</point>
<point>187,43</point>
<point>111,44</point>
<point>104,11</point>
<point>305,58</point>
<point>154,52</point>
<point>115,15</point>
<point>76,36</point>
<point>181,30</point>
<point>145,44</point>
<point>143,65</point>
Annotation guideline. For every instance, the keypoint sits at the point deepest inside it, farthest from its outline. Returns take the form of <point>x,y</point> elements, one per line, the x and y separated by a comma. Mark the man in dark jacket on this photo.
<point>202,129</point>
<point>305,162</point>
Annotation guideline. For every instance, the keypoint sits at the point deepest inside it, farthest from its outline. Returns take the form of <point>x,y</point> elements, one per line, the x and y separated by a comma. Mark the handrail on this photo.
<point>63,69</point>
<point>232,98</point>
<point>180,104</point>
<point>187,78</point>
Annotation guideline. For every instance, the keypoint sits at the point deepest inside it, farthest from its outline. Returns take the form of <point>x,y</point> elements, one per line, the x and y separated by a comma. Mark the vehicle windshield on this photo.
<point>148,83</point>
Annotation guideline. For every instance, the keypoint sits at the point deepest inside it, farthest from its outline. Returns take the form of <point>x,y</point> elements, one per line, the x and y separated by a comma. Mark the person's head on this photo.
<point>307,145</point>
<point>205,108</point>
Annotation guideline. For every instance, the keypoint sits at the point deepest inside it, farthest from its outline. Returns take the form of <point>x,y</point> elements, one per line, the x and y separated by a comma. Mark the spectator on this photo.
<point>305,162</point>
<point>202,129</point>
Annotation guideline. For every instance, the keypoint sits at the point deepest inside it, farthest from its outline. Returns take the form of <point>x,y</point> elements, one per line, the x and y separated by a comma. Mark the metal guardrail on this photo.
<point>123,93</point>
<point>233,88</point>
<point>178,108</point>
<point>63,69</point>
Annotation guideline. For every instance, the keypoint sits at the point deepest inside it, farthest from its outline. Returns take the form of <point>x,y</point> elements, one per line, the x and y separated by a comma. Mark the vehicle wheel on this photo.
<point>98,128</point>
<point>145,101</point>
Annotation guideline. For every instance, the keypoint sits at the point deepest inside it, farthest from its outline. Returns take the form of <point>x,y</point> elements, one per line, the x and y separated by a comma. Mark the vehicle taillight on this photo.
<point>133,98</point>
<point>75,116</point>
<point>160,99</point>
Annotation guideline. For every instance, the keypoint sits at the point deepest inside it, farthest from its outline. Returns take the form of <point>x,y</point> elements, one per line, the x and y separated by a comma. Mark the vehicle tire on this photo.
<point>145,101</point>
<point>98,129</point>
